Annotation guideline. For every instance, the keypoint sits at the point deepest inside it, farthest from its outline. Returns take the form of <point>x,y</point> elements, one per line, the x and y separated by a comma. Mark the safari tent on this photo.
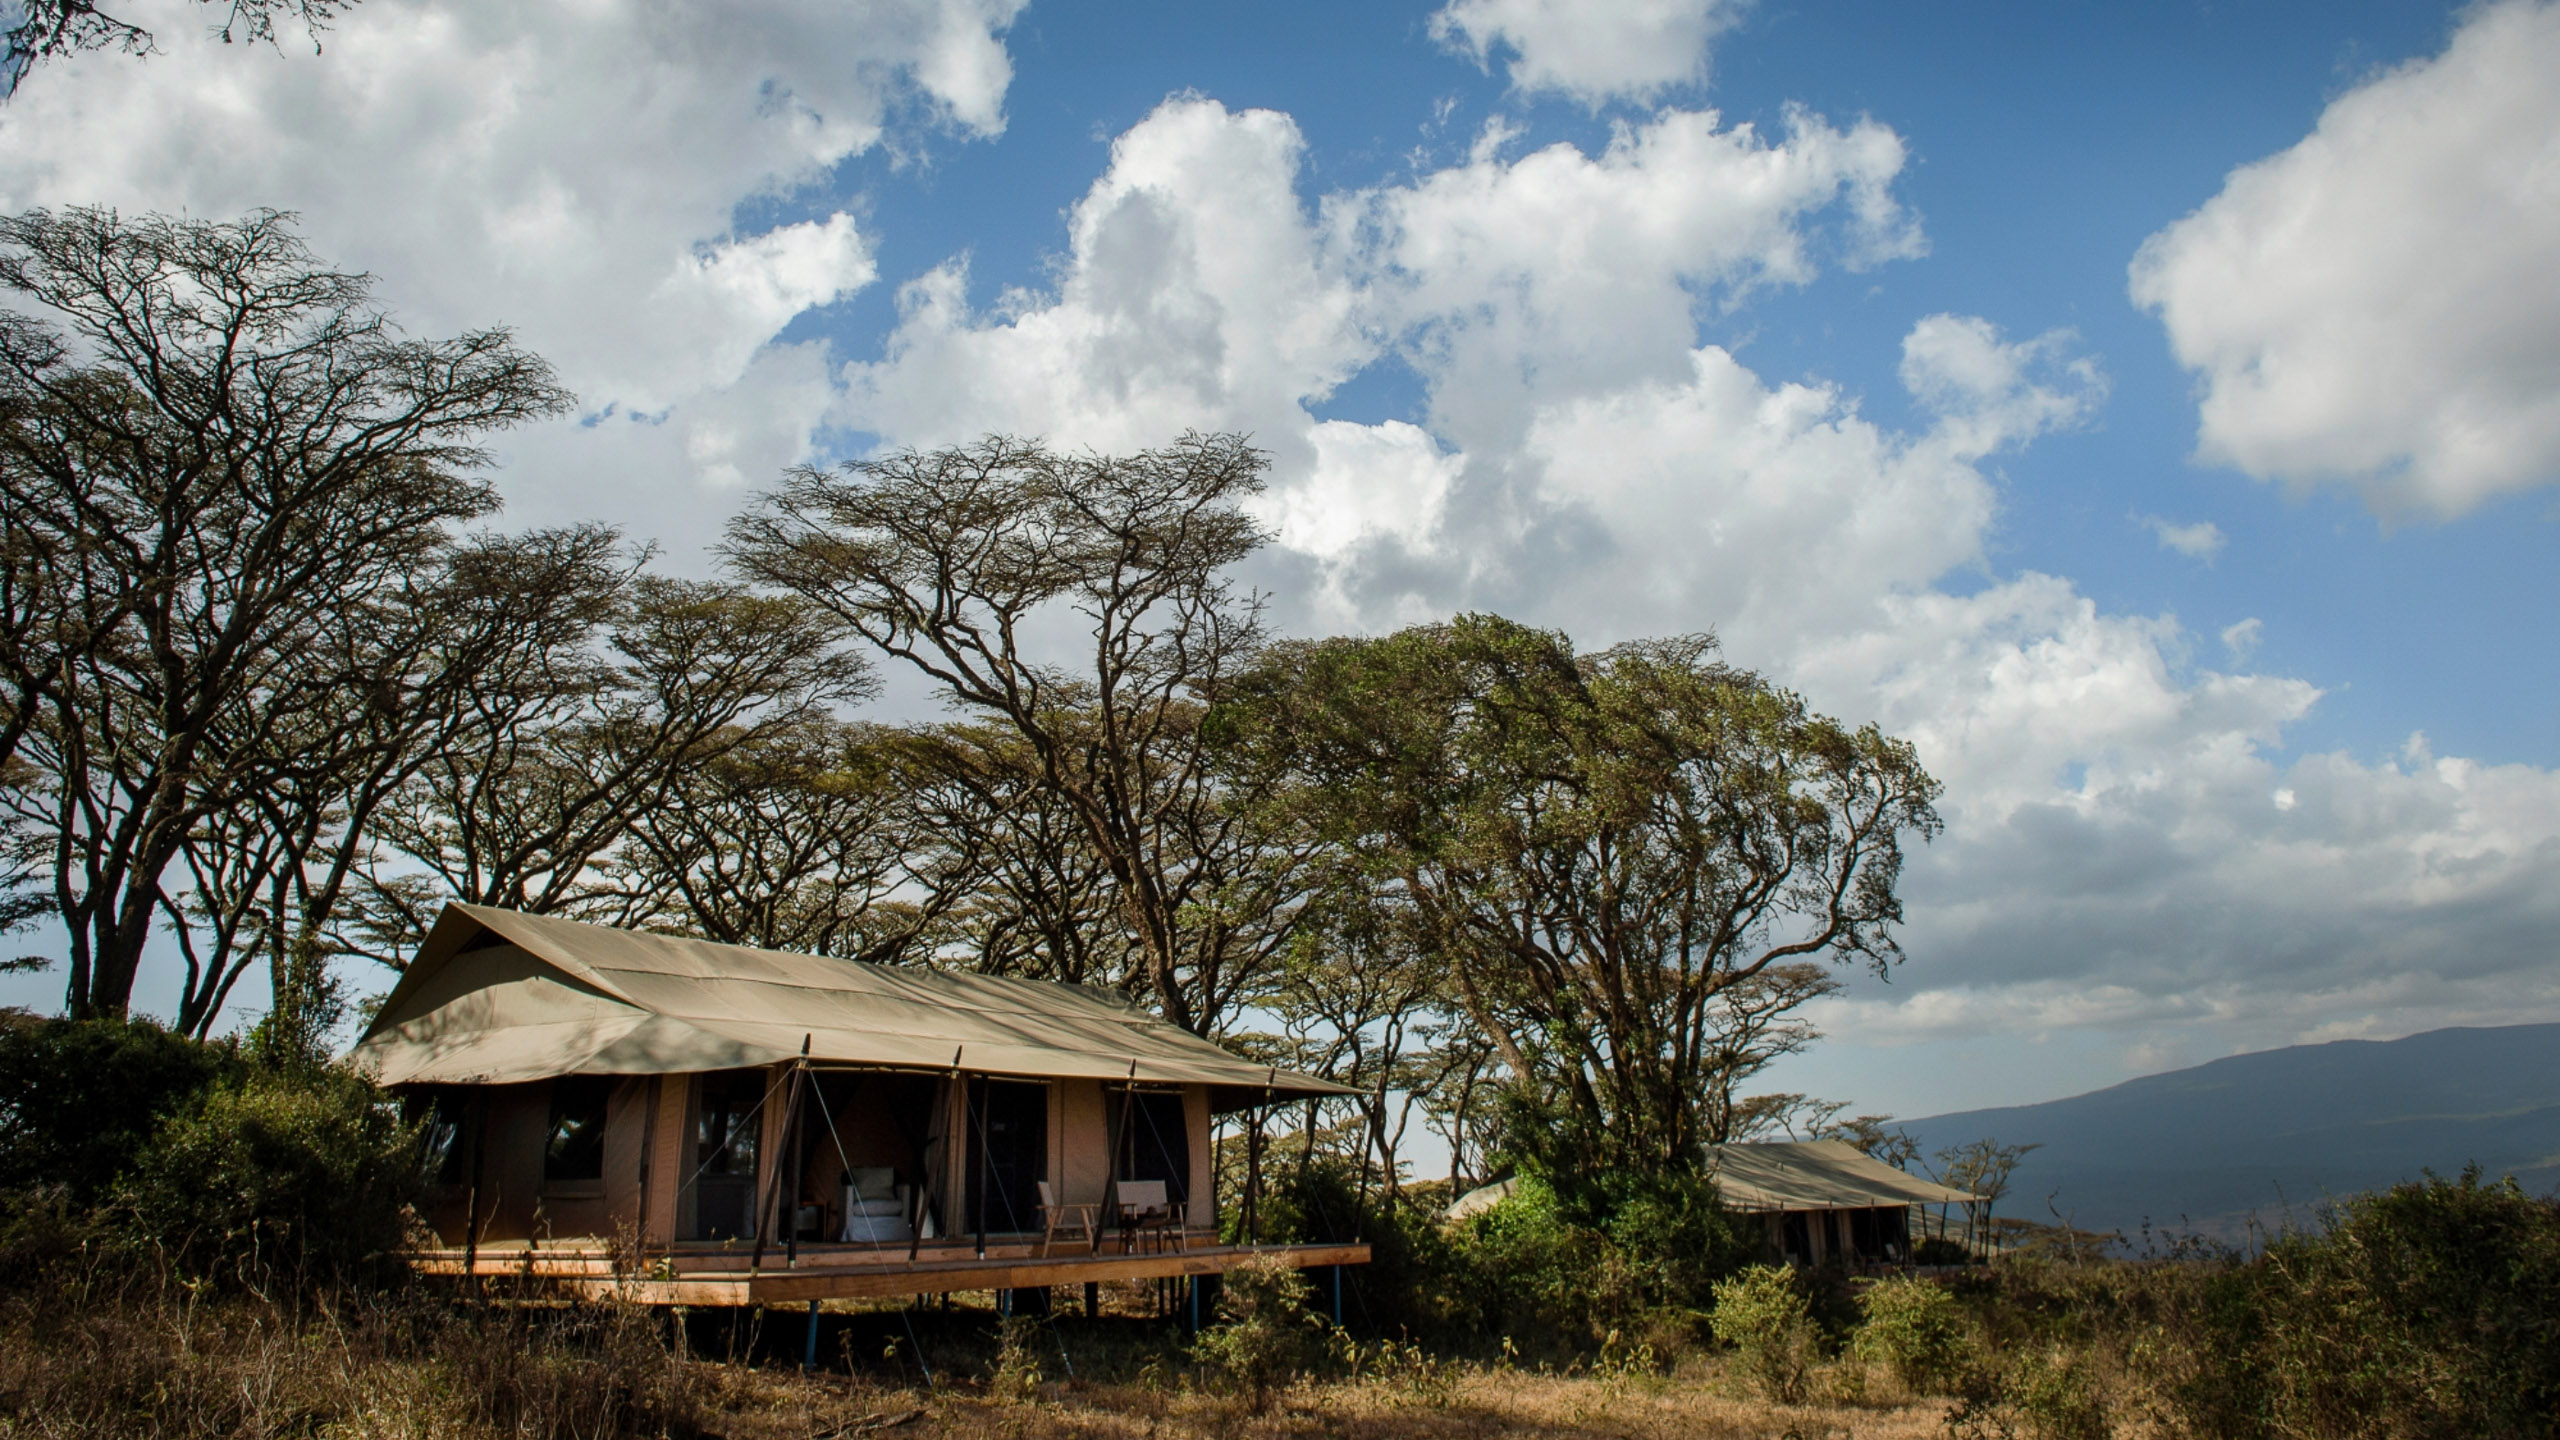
<point>697,1123</point>
<point>1826,1200</point>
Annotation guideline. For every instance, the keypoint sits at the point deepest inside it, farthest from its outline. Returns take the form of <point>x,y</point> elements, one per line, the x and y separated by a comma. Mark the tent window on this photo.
<point>440,1115</point>
<point>576,1147</point>
<point>724,1129</point>
<point>1156,1142</point>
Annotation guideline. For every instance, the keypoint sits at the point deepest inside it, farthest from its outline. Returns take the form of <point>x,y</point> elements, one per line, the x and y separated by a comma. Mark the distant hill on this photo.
<point>2292,1127</point>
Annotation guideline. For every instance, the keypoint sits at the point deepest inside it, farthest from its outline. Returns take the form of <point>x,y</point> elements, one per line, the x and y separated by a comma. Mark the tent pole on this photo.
<point>797,1155</point>
<point>471,1212</point>
<point>768,1187</point>
<point>976,1155</point>
<point>933,1173</point>
<point>1111,1191</point>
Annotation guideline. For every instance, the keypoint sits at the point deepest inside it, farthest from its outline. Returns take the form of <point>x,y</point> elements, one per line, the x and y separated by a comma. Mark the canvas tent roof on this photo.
<point>1817,1175</point>
<point>495,996</point>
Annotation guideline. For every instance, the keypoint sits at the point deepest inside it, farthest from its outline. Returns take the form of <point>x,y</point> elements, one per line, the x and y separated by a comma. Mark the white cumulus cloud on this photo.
<point>1512,280</point>
<point>2374,307</point>
<point>1194,294</point>
<point>1592,51</point>
<point>2113,860</point>
<point>2241,638</point>
<point>577,171</point>
<point>1199,290</point>
<point>2200,541</point>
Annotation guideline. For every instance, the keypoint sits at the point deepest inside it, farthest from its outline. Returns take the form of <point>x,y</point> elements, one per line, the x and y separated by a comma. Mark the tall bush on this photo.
<point>80,1099</point>
<point>2429,1309</point>
<point>1266,1334</point>
<point>1917,1331</point>
<point>1762,1313</point>
<point>1416,1281</point>
<point>303,1179</point>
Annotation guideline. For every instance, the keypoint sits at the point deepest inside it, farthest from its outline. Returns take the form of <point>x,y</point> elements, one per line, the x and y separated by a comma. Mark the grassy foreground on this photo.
<point>420,1369</point>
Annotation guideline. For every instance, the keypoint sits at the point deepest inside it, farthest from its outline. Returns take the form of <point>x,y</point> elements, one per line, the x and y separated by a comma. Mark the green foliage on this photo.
<point>1917,1331</point>
<point>1622,1252</point>
<point>79,1099</point>
<point>2429,1309</point>
<point>1416,1278</point>
<point>305,1179</point>
<point>1676,1240</point>
<point>1406,1368</point>
<point>1534,1271</point>
<point>1016,1377</point>
<point>1266,1336</point>
<point>2055,1393</point>
<point>1762,1313</point>
<point>1492,785</point>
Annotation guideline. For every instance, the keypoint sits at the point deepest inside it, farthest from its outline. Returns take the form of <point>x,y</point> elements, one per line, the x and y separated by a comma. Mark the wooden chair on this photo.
<point>1084,1217</point>
<point>1146,1210</point>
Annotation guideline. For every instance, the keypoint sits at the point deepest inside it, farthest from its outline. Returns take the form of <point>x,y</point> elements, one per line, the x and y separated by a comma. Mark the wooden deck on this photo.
<point>716,1275</point>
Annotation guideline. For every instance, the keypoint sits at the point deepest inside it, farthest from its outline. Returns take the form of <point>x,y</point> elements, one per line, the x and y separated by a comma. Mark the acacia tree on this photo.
<point>210,445</point>
<point>800,837</point>
<point>962,562</point>
<point>1031,896</point>
<point>388,683</point>
<point>57,29</point>
<point>1605,851</point>
<point>533,805</point>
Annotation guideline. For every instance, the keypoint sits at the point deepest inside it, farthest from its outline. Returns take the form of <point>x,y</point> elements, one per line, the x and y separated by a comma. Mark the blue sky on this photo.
<point>2164,571</point>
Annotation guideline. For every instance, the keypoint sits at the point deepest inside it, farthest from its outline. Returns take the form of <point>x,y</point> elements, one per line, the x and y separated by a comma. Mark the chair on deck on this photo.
<point>1146,1210</point>
<point>1083,1217</point>
<point>875,1207</point>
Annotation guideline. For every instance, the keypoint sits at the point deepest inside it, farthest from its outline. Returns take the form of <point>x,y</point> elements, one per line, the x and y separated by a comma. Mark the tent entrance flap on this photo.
<point>727,1136</point>
<point>1009,1148</point>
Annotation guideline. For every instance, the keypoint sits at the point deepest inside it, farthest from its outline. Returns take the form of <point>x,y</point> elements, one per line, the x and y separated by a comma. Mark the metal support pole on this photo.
<point>797,1160</point>
<point>986,1169</point>
<point>478,1116</point>
<point>1337,1297</point>
<point>1195,1305</point>
<point>809,1350</point>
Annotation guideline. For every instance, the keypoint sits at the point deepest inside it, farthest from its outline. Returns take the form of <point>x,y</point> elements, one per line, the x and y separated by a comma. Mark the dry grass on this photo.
<point>164,1366</point>
<point>771,1406</point>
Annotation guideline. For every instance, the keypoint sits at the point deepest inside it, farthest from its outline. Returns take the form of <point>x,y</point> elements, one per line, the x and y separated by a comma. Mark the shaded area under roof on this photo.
<point>1817,1175</point>
<point>495,997</point>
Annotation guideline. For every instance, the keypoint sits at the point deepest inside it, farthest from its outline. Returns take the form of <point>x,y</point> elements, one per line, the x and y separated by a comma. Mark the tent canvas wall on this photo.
<point>588,1081</point>
<point>1825,1199</point>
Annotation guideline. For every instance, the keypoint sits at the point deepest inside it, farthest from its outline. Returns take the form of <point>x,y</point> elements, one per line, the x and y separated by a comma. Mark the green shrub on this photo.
<point>79,1099</point>
<point>1415,1281</point>
<point>1763,1315</point>
<point>305,1179</point>
<point>1676,1239</point>
<point>2429,1309</point>
<point>1917,1331</point>
<point>1529,1270</point>
<point>1016,1377</point>
<point>1266,1335</point>
<point>2057,1395</point>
